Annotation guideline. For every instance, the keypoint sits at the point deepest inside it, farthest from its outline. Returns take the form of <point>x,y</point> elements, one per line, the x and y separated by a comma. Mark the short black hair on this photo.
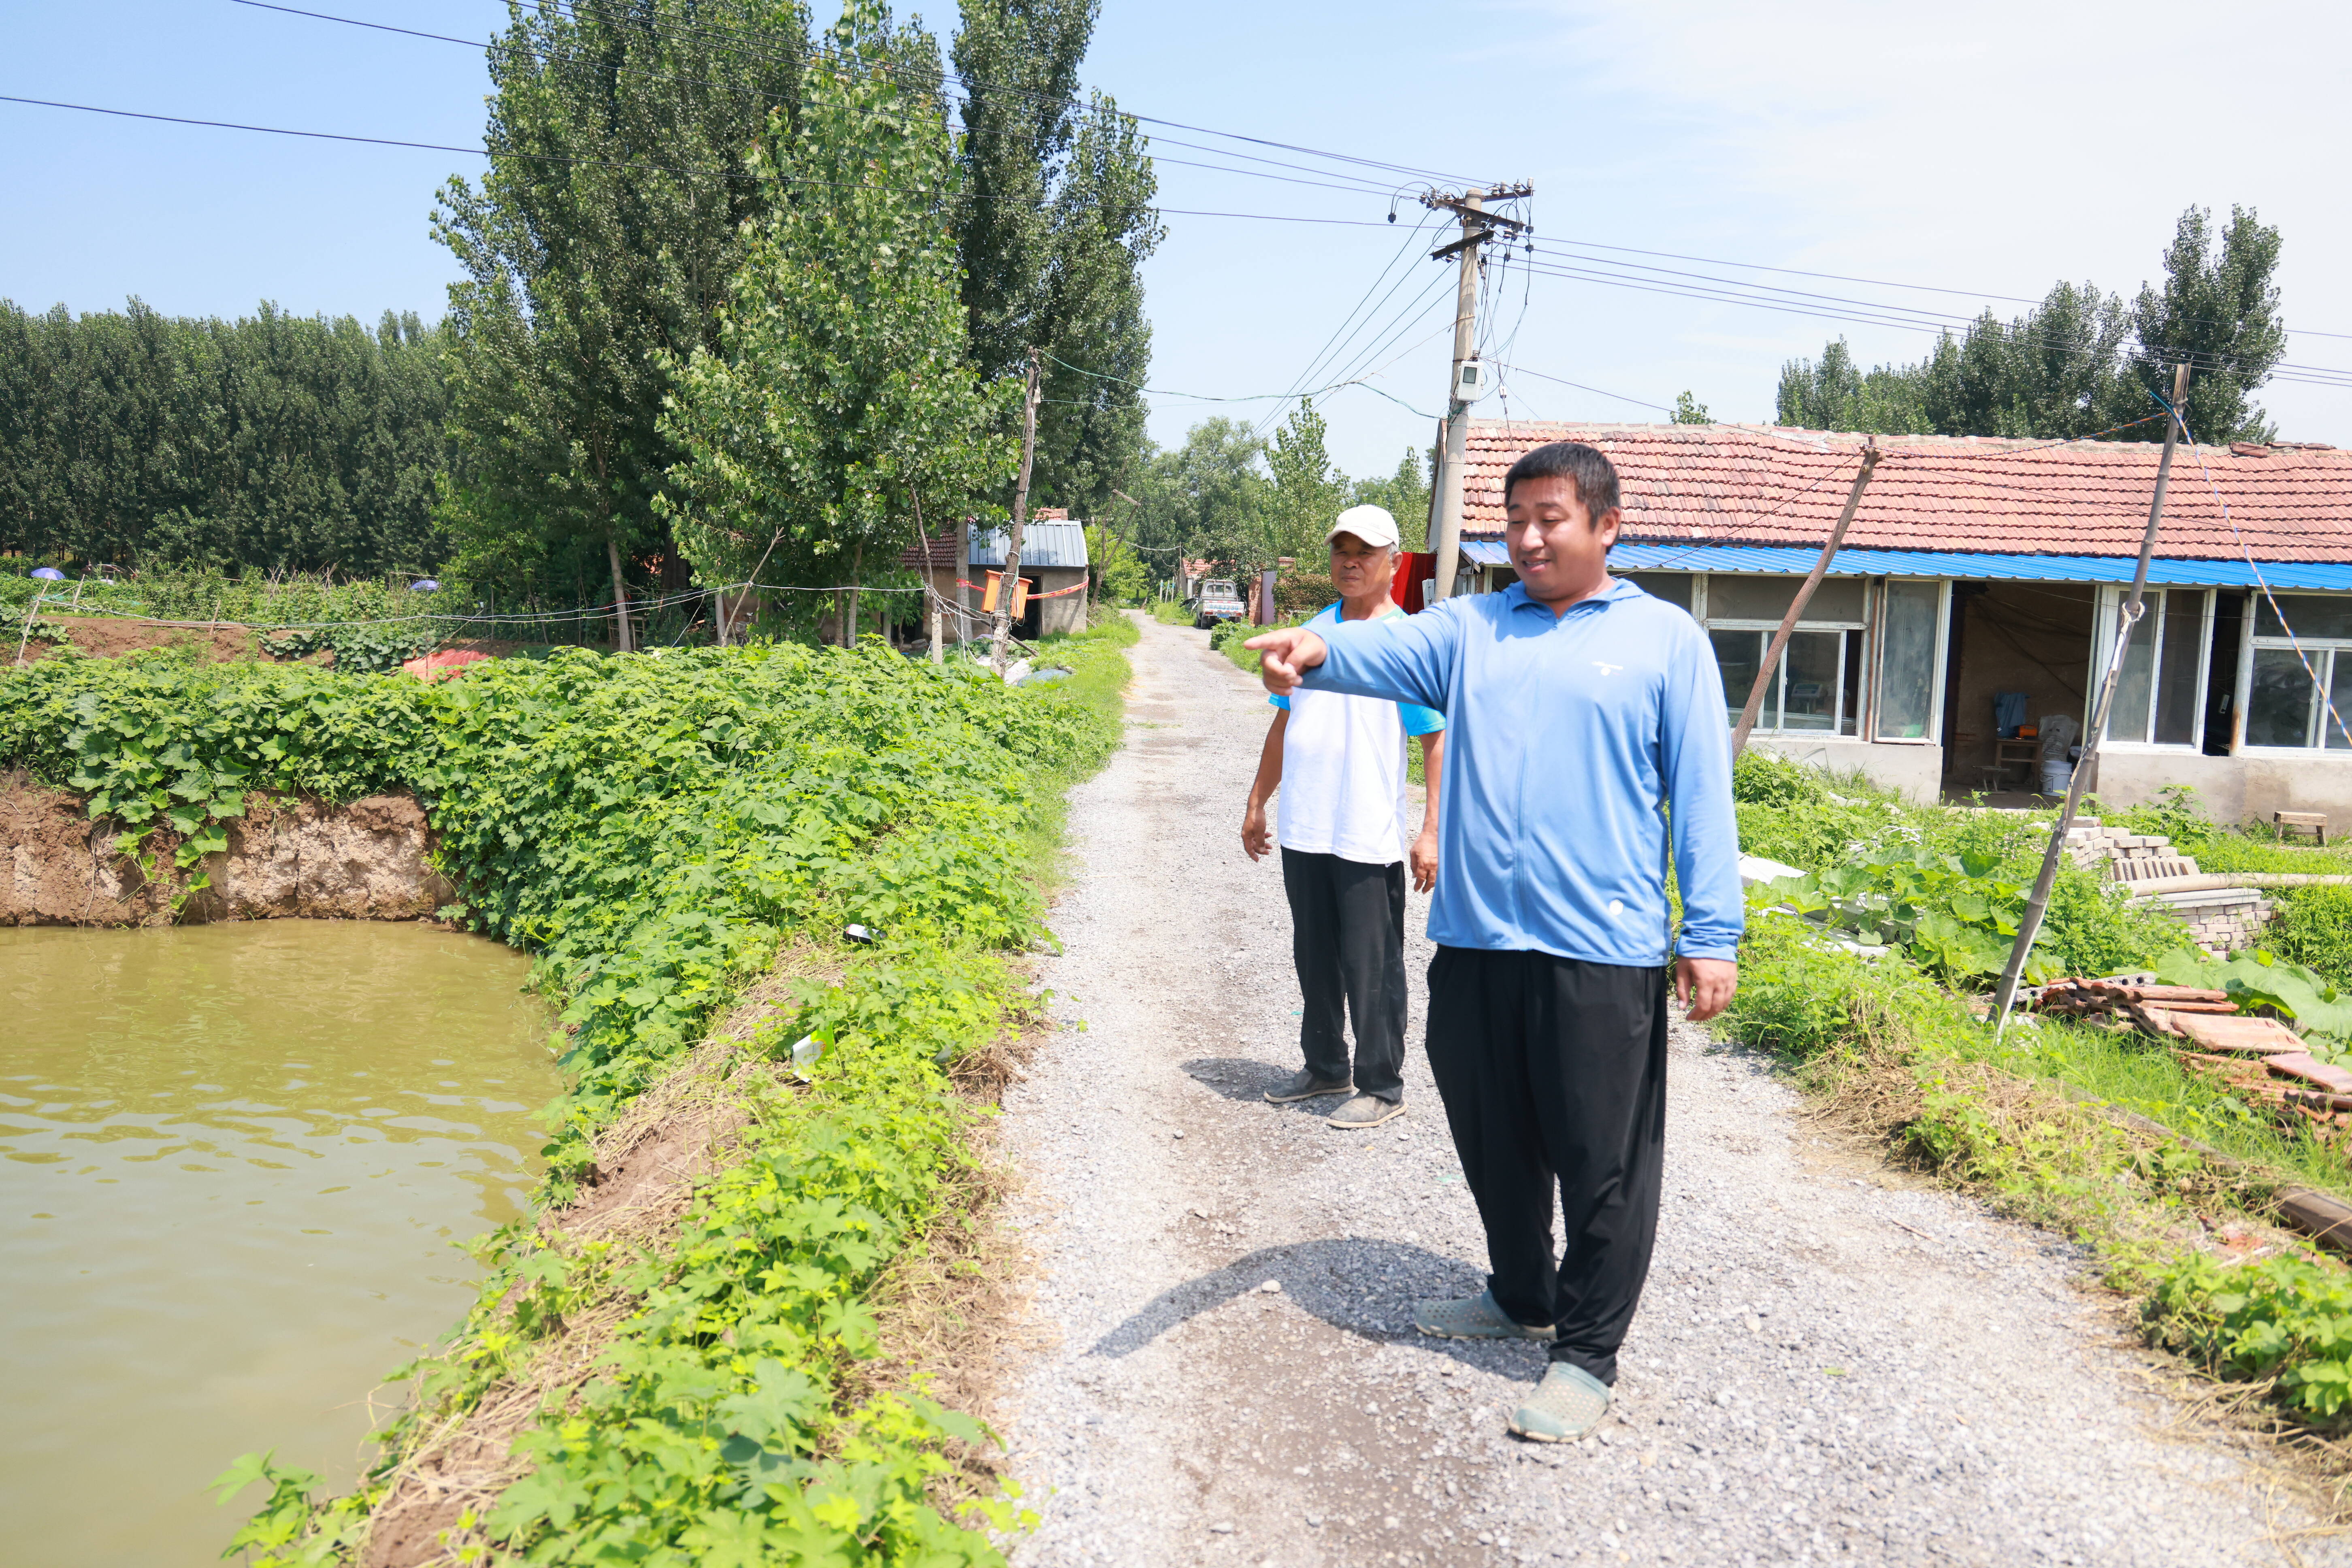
<point>1587,468</point>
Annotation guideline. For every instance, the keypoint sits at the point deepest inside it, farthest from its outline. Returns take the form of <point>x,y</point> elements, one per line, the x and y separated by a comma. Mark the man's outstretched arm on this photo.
<point>1400,658</point>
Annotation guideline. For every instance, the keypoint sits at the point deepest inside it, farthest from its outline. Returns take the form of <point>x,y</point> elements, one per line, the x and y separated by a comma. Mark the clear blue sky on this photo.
<point>1978,147</point>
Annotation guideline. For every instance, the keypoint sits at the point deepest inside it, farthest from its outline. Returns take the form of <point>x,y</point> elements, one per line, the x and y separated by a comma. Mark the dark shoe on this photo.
<point>1305,1085</point>
<point>1366,1110</point>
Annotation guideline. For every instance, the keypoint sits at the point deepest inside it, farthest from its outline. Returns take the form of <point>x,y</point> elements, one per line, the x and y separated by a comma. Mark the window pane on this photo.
<point>1740,655</point>
<point>1810,694</point>
<point>2127,716</point>
<point>1674,587</point>
<point>2278,709</point>
<point>2312,615</point>
<point>2340,694</point>
<point>2184,655</point>
<point>1768,598</point>
<point>1906,661</point>
<point>1850,720</point>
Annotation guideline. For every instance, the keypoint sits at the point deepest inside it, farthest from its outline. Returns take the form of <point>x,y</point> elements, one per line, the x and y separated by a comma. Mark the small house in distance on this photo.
<point>1052,561</point>
<point>1980,587</point>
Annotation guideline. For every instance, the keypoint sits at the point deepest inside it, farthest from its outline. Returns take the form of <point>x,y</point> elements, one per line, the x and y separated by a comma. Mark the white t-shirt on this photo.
<point>1343,770</point>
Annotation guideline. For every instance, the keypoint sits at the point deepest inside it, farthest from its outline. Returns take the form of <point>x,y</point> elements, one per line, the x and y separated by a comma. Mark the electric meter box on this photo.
<point>1471,381</point>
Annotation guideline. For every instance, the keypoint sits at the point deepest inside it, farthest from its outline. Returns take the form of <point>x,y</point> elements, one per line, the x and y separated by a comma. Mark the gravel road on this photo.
<point>1831,1361</point>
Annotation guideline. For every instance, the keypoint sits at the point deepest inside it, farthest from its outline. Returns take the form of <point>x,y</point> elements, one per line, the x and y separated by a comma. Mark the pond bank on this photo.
<point>371,859</point>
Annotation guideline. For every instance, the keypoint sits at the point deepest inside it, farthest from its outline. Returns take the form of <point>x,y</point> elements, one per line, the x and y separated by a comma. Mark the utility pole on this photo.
<point>2037,904</point>
<point>1009,582</point>
<point>1468,381</point>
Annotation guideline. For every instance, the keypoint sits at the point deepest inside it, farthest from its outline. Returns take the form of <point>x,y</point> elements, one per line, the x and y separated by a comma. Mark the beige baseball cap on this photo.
<point>1371,524</point>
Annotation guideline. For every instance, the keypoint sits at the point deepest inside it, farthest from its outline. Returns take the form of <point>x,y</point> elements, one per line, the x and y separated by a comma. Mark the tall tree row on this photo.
<point>839,406</point>
<point>273,442</point>
<point>2082,360</point>
<point>626,141</point>
<point>1053,225</point>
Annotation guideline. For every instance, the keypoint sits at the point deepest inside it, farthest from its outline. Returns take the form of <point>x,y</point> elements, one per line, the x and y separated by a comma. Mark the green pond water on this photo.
<point>237,1158</point>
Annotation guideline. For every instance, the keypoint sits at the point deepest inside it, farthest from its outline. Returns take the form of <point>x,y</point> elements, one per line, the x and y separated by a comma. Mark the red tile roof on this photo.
<point>1749,484</point>
<point>937,553</point>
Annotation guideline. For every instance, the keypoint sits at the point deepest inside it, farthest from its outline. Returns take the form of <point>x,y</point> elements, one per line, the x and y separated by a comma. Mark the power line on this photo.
<point>1940,316</point>
<point>1358,186</point>
<point>1875,283</point>
<point>572,8</point>
<point>2310,376</point>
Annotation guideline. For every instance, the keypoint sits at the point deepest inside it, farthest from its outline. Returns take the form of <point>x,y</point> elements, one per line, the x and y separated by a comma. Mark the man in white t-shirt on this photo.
<point>1340,762</point>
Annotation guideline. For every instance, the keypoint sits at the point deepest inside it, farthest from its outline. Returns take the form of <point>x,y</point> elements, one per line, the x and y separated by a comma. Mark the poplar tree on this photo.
<point>1053,222</point>
<point>626,140</point>
<point>839,402</point>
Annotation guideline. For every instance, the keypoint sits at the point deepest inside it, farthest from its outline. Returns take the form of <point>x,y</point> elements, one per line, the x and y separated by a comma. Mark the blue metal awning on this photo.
<point>1495,552</point>
<point>1796,560</point>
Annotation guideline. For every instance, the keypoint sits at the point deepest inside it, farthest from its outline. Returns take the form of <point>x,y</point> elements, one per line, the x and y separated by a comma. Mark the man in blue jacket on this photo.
<point>1586,726</point>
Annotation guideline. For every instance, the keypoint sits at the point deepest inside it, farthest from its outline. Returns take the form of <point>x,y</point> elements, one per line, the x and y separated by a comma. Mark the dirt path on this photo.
<point>1830,1361</point>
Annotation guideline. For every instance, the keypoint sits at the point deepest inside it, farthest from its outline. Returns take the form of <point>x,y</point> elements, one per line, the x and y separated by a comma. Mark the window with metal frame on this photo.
<point>1816,688</point>
<point>1914,627</point>
<point>2288,706</point>
<point>2160,691</point>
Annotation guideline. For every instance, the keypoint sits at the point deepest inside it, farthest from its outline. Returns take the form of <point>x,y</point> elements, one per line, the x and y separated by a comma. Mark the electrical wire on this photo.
<point>2325,695</point>
<point>1411,240</point>
<point>2314,376</point>
<point>1875,283</point>
<point>1937,317</point>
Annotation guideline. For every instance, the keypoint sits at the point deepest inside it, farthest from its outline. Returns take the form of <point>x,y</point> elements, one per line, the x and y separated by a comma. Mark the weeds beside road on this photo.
<point>1891,1051</point>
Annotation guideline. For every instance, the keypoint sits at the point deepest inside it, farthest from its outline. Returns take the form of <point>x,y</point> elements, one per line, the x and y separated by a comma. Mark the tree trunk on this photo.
<point>849,622</point>
<point>622,642</point>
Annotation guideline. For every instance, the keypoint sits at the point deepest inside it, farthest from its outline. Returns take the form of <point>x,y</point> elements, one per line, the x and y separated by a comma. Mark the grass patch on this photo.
<point>1171,613</point>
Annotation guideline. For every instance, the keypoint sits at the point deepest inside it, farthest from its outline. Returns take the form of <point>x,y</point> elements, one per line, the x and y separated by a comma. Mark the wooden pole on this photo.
<point>2037,904</point>
<point>622,641</point>
<point>1768,676</point>
<point>1010,581</point>
<point>1448,498</point>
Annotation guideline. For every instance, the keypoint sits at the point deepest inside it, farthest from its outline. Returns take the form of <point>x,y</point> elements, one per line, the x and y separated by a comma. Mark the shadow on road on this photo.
<point>1244,1079</point>
<point>1358,1285</point>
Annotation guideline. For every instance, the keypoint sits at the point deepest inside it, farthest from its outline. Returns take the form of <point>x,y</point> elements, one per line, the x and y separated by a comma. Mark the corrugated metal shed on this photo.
<point>1043,544</point>
<point>1798,560</point>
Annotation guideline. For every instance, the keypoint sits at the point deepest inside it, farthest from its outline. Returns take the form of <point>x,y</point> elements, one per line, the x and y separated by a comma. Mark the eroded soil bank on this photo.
<point>368,861</point>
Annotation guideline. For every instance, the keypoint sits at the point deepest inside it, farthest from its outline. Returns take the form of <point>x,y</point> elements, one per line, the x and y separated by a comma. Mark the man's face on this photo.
<point>1359,569</point>
<point>1556,548</point>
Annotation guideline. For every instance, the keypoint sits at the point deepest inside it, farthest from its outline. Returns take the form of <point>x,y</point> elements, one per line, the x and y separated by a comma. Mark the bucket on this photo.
<point>2056,775</point>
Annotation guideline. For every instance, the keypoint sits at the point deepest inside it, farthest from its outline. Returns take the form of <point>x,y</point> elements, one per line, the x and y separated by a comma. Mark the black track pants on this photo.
<point>1554,1069</point>
<point>1347,937</point>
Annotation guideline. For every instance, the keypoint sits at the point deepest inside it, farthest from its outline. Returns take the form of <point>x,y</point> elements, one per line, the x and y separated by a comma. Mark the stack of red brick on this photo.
<point>2259,1058</point>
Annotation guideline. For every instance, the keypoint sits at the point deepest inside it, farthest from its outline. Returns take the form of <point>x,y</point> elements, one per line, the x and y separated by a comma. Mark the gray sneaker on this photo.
<point>1305,1085</point>
<point>1473,1318</point>
<point>1568,1402</point>
<point>1365,1110</point>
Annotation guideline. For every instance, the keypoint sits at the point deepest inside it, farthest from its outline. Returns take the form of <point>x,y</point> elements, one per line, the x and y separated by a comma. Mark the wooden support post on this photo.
<point>1003,627</point>
<point>1770,675</point>
<point>2037,904</point>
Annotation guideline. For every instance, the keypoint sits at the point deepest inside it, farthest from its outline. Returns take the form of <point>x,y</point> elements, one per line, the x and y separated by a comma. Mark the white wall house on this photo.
<point>1982,582</point>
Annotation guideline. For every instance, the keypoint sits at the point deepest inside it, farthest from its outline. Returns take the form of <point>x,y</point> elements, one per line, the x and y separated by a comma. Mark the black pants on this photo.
<point>1554,1069</point>
<point>1347,937</point>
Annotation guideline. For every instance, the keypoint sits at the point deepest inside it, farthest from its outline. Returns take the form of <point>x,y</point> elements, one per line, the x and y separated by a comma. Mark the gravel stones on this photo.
<point>1921,1383</point>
